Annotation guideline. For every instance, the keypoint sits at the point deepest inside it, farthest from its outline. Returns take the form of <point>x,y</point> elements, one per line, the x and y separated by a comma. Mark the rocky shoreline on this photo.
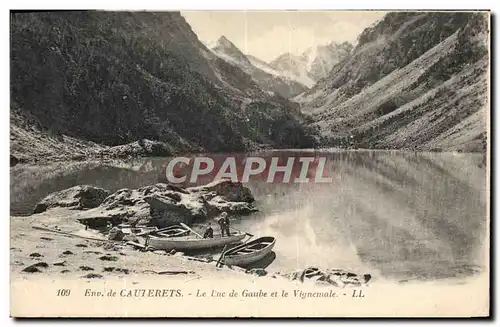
<point>159,205</point>
<point>70,149</point>
<point>68,235</point>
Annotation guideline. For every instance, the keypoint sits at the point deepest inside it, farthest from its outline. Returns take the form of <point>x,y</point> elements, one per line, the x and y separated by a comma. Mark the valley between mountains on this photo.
<point>121,84</point>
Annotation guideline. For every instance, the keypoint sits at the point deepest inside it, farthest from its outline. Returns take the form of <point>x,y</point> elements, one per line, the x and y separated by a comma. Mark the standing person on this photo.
<point>224,224</point>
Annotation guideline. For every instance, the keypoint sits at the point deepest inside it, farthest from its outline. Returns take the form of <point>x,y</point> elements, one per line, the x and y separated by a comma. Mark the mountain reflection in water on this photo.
<point>394,214</point>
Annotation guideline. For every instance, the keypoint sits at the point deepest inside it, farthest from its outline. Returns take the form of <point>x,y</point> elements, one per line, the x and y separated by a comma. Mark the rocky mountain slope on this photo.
<point>118,77</point>
<point>414,81</point>
<point>268,81</point>
<point>312,65</point>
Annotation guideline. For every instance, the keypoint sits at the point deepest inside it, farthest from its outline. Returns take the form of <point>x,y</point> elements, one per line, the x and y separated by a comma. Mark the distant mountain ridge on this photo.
<point>266,79</point>
<point>118,77</point>
<point>297,72</point>
<point>314,63</point>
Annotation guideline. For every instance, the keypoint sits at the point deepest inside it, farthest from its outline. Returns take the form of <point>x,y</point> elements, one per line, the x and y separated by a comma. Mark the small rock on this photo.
<point>161,252</point>
<point>34,268</point>
<point>46,238</point>
<point>31,269</point>
<point>115,234</point>
<point>92,275</point>
<point>172,252</point>
<point>179,253</point>
<point>86,268</point>
<point>108,269</point>
<point>41,264</point>
<point>108,258</point>
<point>36,255</point>
<point>67,252</point>
<point>257,271</point>
<point>123,270</point>
<point>81,245</point>
<point>65,271</point>
<point>60,263</point>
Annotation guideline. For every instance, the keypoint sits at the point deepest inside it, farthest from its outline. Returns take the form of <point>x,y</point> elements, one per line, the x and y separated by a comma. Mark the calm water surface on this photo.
<point>395,214</point>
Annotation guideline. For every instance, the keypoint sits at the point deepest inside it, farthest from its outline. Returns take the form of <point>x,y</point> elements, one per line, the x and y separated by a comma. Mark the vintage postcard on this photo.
<point>249,163</point>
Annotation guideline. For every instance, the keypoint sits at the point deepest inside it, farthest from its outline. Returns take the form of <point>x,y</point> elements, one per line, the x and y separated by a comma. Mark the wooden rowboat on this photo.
<point>249,252</point>
<point>129,229</point>
<point>191,243</point>
<point>172,231</point>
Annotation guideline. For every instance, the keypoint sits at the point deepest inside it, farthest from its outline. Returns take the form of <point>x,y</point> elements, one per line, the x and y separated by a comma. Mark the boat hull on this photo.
<point>248,258</point>
<point>172,231</point>
<point>183,243</point>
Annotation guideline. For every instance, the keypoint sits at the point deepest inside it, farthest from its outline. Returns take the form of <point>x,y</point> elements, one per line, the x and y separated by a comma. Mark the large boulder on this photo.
<point>79,197</point>
<point>123,206</point>
<point>170,208</point>
<point>218,204</point>
<point>163,205</point>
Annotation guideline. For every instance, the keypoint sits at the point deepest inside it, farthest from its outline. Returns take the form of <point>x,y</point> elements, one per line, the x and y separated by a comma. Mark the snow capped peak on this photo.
<point>285,57</point>
<point>224,46</point>
<point>309,56</point>
<point>229,52</point>
<point>224,42</point>
<point>313,64</point>
<point>306,68</point>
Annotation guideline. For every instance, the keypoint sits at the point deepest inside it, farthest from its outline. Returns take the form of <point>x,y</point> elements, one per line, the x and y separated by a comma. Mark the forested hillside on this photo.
<point>119,77</point>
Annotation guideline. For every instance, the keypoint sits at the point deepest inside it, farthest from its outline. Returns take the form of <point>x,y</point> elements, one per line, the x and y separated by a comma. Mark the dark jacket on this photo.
<point>224,221</point>
<point>209,233</point>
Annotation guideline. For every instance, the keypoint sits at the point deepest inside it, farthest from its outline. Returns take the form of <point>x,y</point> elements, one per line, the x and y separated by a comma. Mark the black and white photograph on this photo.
<point>249,163</point>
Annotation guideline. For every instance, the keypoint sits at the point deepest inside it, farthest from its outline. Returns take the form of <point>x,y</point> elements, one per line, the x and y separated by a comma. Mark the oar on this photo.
<point>154,231</point>
<point>67,234</point>
<point>147,232</point>
<point>221,256</point>
<point>186,226</point>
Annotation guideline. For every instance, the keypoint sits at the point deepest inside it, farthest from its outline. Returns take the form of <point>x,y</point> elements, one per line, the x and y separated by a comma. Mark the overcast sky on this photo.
<point>268,34</point>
